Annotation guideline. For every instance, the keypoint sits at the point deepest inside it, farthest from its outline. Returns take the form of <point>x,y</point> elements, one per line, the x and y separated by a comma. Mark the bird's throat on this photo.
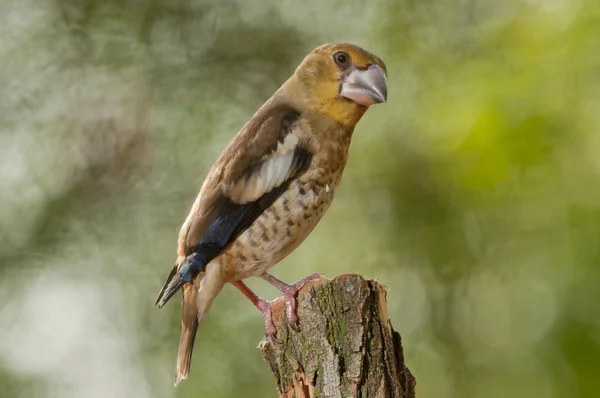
<point>343,111</point>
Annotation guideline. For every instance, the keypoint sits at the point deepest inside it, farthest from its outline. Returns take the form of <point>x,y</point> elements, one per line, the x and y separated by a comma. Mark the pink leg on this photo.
<point>263,306</point>
<point>289,293</point>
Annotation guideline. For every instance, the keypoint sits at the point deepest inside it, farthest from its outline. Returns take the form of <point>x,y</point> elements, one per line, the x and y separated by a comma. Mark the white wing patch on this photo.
<point>274,170</point>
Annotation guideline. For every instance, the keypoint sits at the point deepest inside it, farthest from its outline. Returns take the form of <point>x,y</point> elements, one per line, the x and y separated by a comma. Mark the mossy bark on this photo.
<point>346,346</point>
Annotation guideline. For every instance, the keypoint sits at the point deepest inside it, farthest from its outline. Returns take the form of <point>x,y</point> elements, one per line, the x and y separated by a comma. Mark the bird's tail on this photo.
<point>197,300</point>
<point>189,326</point>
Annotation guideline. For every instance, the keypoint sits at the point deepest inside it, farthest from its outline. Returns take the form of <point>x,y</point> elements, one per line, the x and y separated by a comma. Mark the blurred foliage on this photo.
<point>474,193</point>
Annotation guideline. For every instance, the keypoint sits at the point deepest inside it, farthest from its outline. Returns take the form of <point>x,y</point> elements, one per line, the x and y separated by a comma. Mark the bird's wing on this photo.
<point>253,171</point>
<point>255,168</point>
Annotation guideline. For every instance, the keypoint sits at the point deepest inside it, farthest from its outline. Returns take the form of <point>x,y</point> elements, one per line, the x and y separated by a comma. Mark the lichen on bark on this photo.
<point>346,346</point>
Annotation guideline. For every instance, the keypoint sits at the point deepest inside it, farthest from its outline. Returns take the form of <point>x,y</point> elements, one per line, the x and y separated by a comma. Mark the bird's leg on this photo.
<point>263,306</point>
<point>289,293</point>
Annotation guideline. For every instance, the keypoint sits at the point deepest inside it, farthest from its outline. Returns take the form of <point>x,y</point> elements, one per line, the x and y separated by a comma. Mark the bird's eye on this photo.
<point>341,58</point>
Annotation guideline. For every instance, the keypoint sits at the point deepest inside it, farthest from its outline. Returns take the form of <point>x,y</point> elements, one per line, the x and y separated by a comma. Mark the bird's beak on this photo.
<point>365,86</point>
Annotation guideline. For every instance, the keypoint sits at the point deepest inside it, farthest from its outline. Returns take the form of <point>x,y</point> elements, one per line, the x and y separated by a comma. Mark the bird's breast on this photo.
<point>282,227</point>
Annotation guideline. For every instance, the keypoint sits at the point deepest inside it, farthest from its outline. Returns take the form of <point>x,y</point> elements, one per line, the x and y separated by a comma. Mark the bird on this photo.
<point>271,185</point>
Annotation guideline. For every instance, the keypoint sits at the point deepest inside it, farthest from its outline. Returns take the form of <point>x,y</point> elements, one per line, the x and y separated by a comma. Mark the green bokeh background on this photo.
<point>473,194</point>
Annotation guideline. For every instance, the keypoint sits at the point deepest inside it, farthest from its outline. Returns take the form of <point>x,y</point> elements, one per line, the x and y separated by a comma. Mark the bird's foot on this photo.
<point>264,306</point>
<point>289,294</point>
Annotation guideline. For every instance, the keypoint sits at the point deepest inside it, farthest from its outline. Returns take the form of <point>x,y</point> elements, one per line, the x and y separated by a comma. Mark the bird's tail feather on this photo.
<point>198,297</point>
<point>186,346</point>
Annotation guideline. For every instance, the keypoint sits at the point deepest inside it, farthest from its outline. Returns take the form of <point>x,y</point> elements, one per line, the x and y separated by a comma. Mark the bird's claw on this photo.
<point>265,307</point>
<point>290,303</point>
<point>289,295</point>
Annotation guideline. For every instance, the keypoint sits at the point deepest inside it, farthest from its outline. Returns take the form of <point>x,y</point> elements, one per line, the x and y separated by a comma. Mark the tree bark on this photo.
<point>346,346</point>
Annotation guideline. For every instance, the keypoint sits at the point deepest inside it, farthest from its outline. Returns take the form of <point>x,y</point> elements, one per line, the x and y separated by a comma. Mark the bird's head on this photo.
<point>340,80</point>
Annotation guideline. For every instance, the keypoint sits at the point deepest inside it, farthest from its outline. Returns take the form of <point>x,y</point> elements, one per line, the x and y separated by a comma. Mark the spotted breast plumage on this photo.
<point>271,186</point>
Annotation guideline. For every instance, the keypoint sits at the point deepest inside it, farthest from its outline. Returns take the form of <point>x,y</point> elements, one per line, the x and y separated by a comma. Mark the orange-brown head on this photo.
<point>339,80</point>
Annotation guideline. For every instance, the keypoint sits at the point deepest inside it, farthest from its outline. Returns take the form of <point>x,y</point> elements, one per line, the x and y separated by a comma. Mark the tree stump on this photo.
<point>346,346</point>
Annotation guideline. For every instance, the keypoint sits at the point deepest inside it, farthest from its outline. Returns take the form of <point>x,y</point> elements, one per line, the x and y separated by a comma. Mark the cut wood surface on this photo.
<point>345,347</point>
